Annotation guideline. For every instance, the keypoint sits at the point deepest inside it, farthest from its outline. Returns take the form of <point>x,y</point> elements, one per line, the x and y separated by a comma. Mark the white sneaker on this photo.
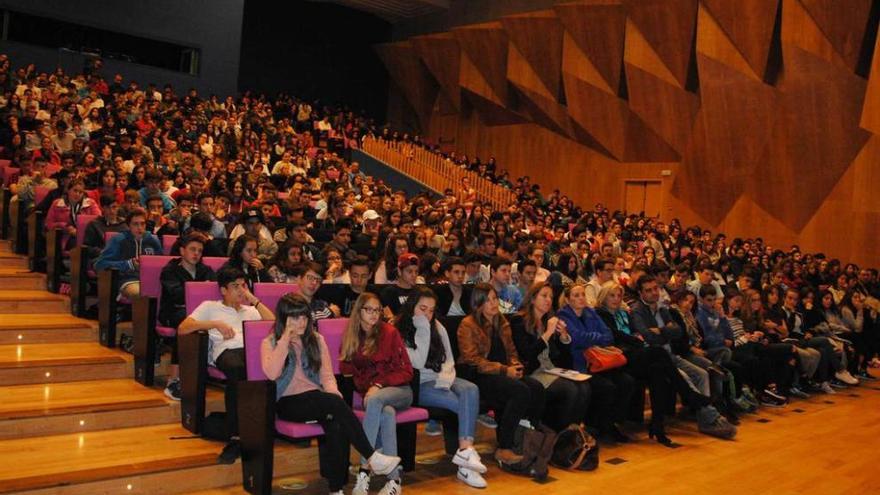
<point>826,387</point>
<point>392,487</point>
<point>846,377</point>
<point>383,464</point>
<point>469,459</point>
<point>471,478</point>
<point>337,492</point>
<point>361,484</point>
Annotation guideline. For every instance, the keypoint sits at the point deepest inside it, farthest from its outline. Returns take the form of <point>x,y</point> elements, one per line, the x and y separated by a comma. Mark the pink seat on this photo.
<point>40,193</point>
<point>215,262</point>
<point>215,373</point>
<point>166,331</point>
<point>270,293</point>
<point>408,415</point>
<point>150,271</point>
<point>298,430</point>
<point>168,243</point>
<point>198,292</point>
<point>109,235</point>
<point>332,330</point>
<point>254,333</point>
<point>82,221</point>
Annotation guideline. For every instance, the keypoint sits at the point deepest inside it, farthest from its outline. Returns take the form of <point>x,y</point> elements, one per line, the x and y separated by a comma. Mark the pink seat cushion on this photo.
<point>409,415</point>
<point>124,300</point>
<point>91,273</point>
<point>166,331</point>
<point>298,430</point>
<point>216,373</point>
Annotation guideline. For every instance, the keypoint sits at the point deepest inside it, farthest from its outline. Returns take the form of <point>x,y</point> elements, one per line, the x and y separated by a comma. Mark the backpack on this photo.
<point>575,449</point>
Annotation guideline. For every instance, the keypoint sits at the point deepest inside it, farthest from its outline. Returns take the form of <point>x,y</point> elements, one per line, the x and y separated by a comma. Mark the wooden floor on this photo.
<point>810,447</point>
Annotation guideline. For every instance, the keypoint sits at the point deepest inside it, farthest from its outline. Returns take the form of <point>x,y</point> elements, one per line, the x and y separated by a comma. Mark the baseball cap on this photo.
<point>370,215</point>
<point>407,259</point>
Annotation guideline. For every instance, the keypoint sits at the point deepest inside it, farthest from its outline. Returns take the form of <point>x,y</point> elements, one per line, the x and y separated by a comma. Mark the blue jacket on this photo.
<point>716,329</point>
<point>122,248</point>
<point>586,330</point>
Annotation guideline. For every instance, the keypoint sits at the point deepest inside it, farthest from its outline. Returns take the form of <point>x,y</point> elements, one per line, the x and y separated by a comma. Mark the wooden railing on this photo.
<point>435,171</point>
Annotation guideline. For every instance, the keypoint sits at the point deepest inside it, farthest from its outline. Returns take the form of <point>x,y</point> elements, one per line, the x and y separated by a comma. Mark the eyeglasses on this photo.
<point>371,310</point>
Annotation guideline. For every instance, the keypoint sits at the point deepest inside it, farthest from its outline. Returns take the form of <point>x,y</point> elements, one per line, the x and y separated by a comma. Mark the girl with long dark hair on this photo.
<point>430,353</point>
<point>296,357</point>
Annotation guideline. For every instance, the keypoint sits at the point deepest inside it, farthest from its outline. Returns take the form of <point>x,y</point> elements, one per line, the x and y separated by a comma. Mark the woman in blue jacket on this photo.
<point>612,389</point>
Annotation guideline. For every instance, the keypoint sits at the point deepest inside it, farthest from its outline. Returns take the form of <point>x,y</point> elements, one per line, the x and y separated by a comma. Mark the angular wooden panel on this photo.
<point>871,107</point>
<point>818,139</point>
<point>576,63</point>
<point>521,73</point>
<point>538,37</point>
<point>799,28</point>
<point>749,25</point>
<point>471,79</point>
<point>486,46</point>
<point>490,112</point>
<point>639,52</point>
<point>669,27</point>
<point>645,145</point>
<point>729,142</point>
<point>599,113</point>
<point>843,22</point>
<point>411,76</point>
<point>599,29</point>
<point>440,53</point>
<point>667,109</point>
<point>713,42</point>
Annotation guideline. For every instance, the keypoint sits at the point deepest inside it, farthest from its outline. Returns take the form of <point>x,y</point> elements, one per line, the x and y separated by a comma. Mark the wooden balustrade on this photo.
<point>435,171</point>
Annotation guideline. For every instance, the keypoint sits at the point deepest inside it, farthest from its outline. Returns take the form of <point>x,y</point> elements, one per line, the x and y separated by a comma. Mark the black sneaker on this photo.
<point>864,375</point>
<point>126,343</point>
<point>231,452</point>
<point>172,390</point>
<point>838,384</point>
<point>771,400</point>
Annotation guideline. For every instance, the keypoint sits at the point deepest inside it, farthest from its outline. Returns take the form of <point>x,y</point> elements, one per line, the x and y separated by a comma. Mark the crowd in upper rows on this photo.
<point>728,325</point>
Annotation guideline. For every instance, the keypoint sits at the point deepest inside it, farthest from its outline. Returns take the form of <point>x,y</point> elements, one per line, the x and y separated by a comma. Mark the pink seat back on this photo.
<point>332,330</point>
<point>254,333</point>
<point>168,244</point>
<point>215,262</point>
<point>270,293</point>
<point>150,271</point>
<point>5,163</point>
<point>40,193</point>
<point>81,222</point>
<point>198,292</point>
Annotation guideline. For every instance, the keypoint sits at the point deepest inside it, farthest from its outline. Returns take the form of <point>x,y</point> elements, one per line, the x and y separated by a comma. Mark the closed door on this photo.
<point>643,196</point>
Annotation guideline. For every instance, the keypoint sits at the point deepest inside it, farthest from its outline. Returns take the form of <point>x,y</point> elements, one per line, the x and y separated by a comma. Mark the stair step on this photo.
<point>150,459</point>
<point>45,328</point>
<point>9,260</point>
<point>32,301</point>
<point>21,279</point>
<point>53,363</point>
<point>75,407</point>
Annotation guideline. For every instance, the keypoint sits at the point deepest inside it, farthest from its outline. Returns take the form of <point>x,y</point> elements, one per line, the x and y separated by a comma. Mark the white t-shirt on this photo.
<point>216,310</point>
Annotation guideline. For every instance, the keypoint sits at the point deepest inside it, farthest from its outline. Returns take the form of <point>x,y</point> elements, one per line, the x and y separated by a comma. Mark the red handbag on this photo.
<point>604,358</point>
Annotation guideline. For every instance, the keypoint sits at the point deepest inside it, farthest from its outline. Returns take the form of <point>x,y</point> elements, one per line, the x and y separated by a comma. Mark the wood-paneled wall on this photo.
<point>760,117</point>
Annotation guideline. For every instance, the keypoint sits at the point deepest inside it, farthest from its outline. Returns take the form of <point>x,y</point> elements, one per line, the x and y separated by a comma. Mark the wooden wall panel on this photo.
<point>598,29</point>
<point>843,23</point>
<point>538,37</point>
<point>821,107</point>
<point>871,108</point>
<point>669,26</point>
<point>749,25</point>
<point>753,126</point>
<point>486,46</point>
<point>411,76</point>
<point>441,55</point>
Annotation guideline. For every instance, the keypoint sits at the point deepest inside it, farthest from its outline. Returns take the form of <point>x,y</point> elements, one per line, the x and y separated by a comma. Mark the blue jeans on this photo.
<point>463,398</point>
<point>380,422</point>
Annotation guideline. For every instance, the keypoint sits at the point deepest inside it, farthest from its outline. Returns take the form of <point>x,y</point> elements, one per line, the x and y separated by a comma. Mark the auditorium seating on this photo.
<point>55,252</point>
<point>145,312</point>
<point>257,402</point>
<point>270,293</point>
<point>108,302</point>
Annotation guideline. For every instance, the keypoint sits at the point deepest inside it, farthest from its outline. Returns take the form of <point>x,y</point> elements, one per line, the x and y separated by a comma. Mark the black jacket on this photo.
<point>529,347</point>
<point>444,298</point>
<point>172,307</point>
<point>93,239</point>
<point>623,340</point>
